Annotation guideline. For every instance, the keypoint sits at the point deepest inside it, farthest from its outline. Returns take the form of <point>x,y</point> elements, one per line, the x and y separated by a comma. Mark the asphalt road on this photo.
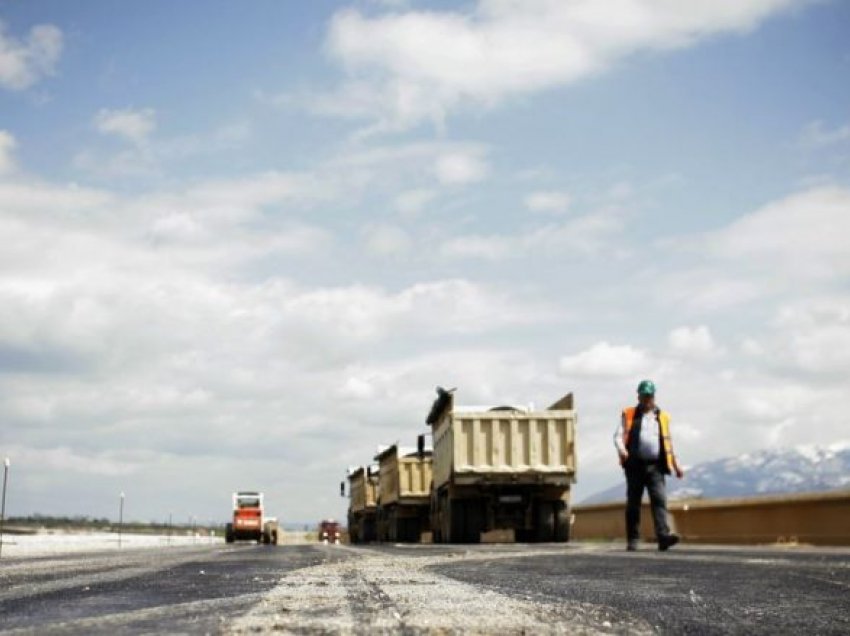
<point>429,589</point>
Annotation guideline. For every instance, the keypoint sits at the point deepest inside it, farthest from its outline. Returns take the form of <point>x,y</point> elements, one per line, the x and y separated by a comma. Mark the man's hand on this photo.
<point>624,455</point>
<point>679,472</point>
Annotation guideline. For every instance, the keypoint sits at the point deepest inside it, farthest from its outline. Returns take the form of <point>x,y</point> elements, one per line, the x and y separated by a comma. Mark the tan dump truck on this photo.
<point>405,493</point>
<point>362,507</point>
<point>502,471</point>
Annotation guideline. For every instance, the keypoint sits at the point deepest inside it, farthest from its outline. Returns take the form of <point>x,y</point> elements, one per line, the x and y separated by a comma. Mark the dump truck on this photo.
<point>362,508</point>
<point>329,531</point>
<point>249,520</point>
<point>405,493</point>
<point>503,472</point>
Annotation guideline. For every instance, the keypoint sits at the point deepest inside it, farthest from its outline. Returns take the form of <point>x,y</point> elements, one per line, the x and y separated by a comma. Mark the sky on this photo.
<point>244,242</point>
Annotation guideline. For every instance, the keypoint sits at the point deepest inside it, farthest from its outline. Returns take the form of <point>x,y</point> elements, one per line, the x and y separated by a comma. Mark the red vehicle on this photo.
<point>329,531</point>
<point>249,521</point>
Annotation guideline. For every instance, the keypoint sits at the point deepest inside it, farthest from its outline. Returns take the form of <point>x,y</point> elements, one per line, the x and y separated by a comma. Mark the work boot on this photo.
<point>631,546</point>
<point>667,541</point>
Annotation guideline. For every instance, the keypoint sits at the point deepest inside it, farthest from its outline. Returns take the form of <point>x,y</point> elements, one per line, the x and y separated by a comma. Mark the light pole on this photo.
<point>6,464</point>
<point>169,528</point>
<point>120,519</point>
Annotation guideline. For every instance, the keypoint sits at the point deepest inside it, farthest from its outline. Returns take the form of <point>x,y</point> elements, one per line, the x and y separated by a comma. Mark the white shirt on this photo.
<point>649,444</point>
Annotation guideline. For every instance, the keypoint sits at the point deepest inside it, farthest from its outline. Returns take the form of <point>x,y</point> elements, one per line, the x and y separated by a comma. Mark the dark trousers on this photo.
<point>640,475</point>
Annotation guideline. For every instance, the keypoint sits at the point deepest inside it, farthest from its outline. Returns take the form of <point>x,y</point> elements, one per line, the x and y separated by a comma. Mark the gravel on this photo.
<point>384,592</point>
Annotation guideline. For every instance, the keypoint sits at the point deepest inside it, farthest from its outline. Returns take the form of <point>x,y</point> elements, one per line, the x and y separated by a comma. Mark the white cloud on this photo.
<point>24,62</point>
<point>65,460</point>
<point>131,124</point>
<point>693,341</point>
<point>816,135</point>
<point>387,240</point>
<point>817,334</point>
<point>603,359</point>
<point>548,202</point>
<point>411,203</point>
<point>391,3</point>
<point>415,66</point>
<point>752,347</point>
<point>796,242</point>
<point>803,236</point>
<point>7,149</point>
<point>154,156</point>
<point>458,168</point>
<point>357,389</point>
<point>580,236</point>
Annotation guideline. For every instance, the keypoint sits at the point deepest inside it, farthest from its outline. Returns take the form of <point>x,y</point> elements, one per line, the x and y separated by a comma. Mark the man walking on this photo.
<point>646,454</point>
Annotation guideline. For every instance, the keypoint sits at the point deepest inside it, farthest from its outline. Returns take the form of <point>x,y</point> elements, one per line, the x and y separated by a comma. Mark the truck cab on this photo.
<point>329,531</point>
<point>249,521</point>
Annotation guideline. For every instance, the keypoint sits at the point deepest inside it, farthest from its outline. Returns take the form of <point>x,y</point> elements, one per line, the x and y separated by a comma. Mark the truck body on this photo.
<point>506,469</point>
<point>329,531</point>
<point>249,521</point>
<point>405,493</point>
<point>362,509</point>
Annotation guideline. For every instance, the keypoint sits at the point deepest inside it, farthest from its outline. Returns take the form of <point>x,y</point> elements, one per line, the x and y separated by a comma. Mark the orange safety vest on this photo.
<point>667,460</point>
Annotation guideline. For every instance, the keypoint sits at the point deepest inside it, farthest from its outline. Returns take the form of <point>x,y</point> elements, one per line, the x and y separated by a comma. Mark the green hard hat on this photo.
<point>646,387</point>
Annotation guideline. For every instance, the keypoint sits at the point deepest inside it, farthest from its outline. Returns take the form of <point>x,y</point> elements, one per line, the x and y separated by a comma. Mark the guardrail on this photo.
<point>816,518</point>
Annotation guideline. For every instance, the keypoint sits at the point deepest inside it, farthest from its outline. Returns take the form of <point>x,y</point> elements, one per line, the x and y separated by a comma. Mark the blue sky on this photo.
<point>248,239</point>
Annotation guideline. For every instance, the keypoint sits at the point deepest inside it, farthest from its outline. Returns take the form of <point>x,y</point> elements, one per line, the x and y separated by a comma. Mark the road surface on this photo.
<point>579,588</point>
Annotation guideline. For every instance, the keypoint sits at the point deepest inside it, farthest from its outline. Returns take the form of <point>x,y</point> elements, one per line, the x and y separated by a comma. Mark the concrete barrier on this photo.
<point>607,521</point>
<point>817,519</point>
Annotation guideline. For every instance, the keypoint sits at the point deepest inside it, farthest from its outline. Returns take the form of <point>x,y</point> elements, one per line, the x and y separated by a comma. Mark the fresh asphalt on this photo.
<point>689,590</point>
<point>174,590</point>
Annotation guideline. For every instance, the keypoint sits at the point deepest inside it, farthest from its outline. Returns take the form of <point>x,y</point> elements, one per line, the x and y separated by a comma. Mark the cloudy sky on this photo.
<point>242,242</point>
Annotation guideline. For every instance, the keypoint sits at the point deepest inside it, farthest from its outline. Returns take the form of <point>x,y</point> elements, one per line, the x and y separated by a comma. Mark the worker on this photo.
<point>646,454</point>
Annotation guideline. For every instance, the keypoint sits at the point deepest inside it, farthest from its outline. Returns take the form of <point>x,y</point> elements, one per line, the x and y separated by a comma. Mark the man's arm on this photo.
<point>678,470</point>
<point>619,433</point>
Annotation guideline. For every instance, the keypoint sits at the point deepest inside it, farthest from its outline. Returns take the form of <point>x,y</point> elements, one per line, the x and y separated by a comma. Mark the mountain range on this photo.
<point>806,468</point>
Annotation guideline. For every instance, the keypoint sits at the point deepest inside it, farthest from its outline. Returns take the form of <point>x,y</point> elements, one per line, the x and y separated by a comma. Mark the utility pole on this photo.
<point>6,464</point>
<point>169,528</point>
<point>120,519</point>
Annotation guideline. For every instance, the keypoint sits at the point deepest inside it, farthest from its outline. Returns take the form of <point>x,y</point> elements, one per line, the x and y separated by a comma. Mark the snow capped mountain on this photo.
<point>801,469</point>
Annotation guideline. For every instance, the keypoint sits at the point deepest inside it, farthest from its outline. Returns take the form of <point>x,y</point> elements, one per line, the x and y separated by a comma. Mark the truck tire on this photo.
<point>267,539</point>
<point>562,522</point>
<point>228,533</point>
<point>544,522</point>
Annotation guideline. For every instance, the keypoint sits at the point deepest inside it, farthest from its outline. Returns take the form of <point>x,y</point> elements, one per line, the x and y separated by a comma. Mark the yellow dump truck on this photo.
<point>405,493</point>
<point>502,471</point>
<point>362,508</point>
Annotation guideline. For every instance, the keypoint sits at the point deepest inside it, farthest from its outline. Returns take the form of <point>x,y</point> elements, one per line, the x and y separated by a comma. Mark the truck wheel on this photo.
<point>228,533</point>
<point>562,522</point>
<point>266,538</point>
<point>545,521</point>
